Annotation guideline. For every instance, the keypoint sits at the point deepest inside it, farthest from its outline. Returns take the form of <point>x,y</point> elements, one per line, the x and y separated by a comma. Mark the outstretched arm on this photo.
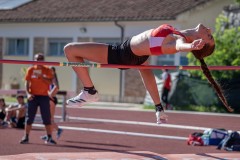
<point>15,108</point>
<point>182,46</point>
<point>55,89</point>
<point>150,84</point>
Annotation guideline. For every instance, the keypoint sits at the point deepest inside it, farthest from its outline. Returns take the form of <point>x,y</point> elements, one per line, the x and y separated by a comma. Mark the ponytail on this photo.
<point>214,84</point>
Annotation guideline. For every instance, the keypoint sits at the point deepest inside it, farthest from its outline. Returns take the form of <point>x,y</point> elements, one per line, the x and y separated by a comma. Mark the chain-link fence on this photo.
<point>187,91</point>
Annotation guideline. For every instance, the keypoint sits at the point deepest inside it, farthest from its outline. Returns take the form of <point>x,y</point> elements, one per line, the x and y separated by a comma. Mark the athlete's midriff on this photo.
<point>157,37</point>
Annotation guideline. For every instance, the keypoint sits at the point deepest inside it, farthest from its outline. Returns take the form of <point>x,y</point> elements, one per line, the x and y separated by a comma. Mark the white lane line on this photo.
<point>118,132</point>
<point>137,123</point>
<point>139,109</point>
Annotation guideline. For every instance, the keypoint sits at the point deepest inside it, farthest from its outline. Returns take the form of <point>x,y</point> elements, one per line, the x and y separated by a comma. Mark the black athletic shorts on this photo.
<point>21,123</point>
<point>2,115</point>
<point>43,103</point>
<point>122,54</point>
<point>55,100</point>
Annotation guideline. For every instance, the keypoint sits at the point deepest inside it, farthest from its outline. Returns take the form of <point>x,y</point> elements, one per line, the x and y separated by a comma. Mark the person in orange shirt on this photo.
<point>38,78</point>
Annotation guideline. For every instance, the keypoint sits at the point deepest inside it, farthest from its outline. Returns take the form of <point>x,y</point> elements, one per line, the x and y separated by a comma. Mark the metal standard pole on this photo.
<point>122,72</point>
<point>64,108</point>
<point>64,111</point>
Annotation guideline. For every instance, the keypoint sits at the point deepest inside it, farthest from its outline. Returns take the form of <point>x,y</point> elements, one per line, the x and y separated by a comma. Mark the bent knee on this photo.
<point>72,50</point>
<point>67,48</point>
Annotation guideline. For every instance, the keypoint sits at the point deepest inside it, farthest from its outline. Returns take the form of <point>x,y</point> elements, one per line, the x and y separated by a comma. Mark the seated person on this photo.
<point>15,114</point>
<point>2,112</point>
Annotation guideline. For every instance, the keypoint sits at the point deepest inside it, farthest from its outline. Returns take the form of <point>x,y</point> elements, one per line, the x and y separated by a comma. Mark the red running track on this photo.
<point>87,138</point>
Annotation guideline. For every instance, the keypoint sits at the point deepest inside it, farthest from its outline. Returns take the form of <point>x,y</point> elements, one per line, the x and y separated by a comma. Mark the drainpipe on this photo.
<point>122,72</point>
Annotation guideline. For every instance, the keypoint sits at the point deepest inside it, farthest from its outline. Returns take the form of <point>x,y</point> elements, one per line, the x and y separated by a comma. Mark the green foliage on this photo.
<point>227,51</point>
<point>238,1</point>
<point>196,108</point>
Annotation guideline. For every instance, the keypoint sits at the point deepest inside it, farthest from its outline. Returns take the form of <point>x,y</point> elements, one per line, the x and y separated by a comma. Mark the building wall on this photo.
<point>38,46</point>
<point>205,14</point>
<point>1,65</point>
<point>134,87</point>
<point>106,81</point>
<point>13,73</point>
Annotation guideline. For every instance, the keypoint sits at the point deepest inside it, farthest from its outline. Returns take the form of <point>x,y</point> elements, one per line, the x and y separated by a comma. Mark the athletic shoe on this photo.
<point>161,117</point>
<point>50,141</point>
<point>59,133</point>
<point>83,98</point>
<point>4,124</point>
<point>44,137</point>
<point>24,140</point>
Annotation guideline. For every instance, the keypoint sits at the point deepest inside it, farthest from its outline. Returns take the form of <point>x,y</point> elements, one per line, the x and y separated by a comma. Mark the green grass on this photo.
<point>9,99</point>
<point>12,99</point>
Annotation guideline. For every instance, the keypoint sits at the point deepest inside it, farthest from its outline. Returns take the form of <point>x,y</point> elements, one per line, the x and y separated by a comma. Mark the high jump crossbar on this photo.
<point>98,65</point>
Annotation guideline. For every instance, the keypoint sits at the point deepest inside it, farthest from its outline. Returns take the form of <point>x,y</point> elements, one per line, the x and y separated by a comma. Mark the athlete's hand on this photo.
<point>197,44</point>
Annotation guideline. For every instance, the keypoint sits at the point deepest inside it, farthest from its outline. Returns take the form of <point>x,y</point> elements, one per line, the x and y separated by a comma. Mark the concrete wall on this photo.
<point>205,14</point>
<point>1,65</point>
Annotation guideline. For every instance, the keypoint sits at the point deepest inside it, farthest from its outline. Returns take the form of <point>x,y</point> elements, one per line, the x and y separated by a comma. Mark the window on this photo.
<point>108,40</point>
<point>56,45</point>
<point>17,46</point>
<point>183,60</point>
<point>165,59</point>
<point>165,62</point>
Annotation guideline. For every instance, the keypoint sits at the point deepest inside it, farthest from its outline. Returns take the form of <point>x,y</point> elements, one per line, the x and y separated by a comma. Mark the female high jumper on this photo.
<point>164,39</point>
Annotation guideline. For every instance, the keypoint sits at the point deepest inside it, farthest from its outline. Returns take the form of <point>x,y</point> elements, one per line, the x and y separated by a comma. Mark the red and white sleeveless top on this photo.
<point>158,35</point>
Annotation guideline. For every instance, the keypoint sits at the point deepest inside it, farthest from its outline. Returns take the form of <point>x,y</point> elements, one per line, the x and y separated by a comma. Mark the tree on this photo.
<point>227,50</point>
